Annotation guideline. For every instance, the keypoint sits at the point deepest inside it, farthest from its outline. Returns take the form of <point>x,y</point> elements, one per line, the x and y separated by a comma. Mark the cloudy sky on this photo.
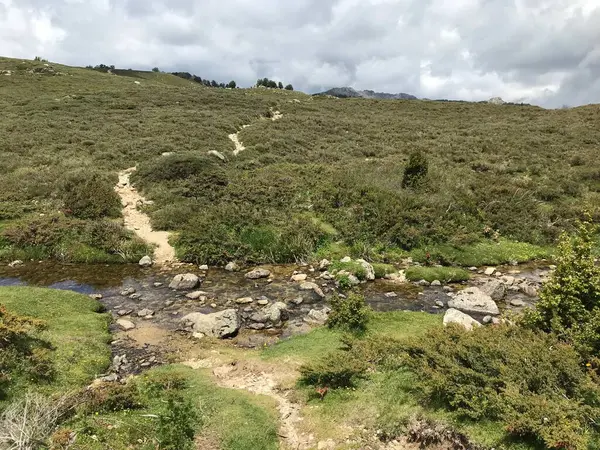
<point>543,51</point>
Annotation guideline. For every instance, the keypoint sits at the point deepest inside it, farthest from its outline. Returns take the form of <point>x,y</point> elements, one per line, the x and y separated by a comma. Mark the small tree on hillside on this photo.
<point>231,85</point>
<point>280,85</point>
<point>415,171</point>
<point>155,69</point>
<point>289,87</point>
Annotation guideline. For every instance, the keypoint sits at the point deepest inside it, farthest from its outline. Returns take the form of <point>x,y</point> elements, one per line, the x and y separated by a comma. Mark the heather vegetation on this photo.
<point>382,178</point>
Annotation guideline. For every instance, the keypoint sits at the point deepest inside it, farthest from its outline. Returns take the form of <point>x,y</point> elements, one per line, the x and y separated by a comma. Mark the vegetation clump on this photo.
<point>349,313</point>
<point>90,195</point>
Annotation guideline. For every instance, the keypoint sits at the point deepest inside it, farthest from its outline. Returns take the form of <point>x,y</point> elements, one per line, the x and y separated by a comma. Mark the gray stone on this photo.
<point>529,291</point>
<point>259,317</point>
<point>317,317</point>
<point>487,319</point>
<point>196,295</point>
<point>517,302</point>
<point>125,325</point>
<point>263,302</point>
<point>455,316</point>
<point>327,276</point>
<point>473,300</point>
<point>135,296</point>
<point>244,300</point>
<point>113,377</point>
<point>390,294</point>
<point>15,263</point>
<point>232,267</point>
<point>354,281</point>
<point>258,273</point>
<point>297,300</point>
<point>124,312</point>
<point>507,279</point>
<point>436,283</point>
<point>308,286</point>
<point>96,296</point>
<point>220,324</point>
<point>473,269</point>
<point>146,261</point>
<point>145,312</point>
<point>423,283</point>
<point>346,259</point>
<point>370,272</point>
<point>157,284</point>
<point>203,267</point>
<point>439,303</point>
<point>184,281</point>
<point>496,289</point>
<point>276,312</point>
<point>127,291</point>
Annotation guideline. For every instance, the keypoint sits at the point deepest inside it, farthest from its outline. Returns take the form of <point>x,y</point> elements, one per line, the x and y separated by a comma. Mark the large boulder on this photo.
<point>473,300</point>
<point>276,312</point>
<point>368,269</point>
<point>184,281</point>
<point>220,324</point>
<point>258,273</point>
<point>146,261</point>
<point>496,289</point>
<point>317,317</point>
<point>231,267</point>
<point>455,316</point>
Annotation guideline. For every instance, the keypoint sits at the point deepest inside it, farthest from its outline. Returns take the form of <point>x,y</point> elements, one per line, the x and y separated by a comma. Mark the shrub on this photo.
<point>415,171</point>
<point>110,397</point>
<point>177,424</point>
<point>381,270</point>
<point>569,303</point>
<point>527,380</point>
<point>337,370</point>
<point>90,195</point>
<point>350,314</point>
<point>444,274</point>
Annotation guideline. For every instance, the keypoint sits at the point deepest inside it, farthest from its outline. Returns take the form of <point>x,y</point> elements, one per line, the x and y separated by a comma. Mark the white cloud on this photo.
<point>545,51</point>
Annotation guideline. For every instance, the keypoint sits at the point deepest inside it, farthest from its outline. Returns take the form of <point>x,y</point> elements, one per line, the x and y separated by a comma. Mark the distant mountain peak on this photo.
<point>348,92</point>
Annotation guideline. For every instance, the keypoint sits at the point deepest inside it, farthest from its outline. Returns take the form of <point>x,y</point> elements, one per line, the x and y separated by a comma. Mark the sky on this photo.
<point>545,52</point>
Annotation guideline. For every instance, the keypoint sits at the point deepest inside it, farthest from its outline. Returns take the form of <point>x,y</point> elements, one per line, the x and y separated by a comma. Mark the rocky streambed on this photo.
<point>259,305</point>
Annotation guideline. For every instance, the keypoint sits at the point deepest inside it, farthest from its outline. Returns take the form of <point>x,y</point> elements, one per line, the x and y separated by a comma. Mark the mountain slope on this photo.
<point>348,92</point>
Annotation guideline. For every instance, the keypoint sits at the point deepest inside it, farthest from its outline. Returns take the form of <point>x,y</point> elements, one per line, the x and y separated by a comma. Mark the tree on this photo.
<point>289,87</point>
<point>155,69</point>
<point>213,83</point>
<point>272,84</point>
<point>280,85</point>
<point>231,85</point>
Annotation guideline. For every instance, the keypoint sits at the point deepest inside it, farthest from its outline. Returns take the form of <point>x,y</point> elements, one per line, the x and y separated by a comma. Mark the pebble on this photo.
<point>436,283</point>
<point>145,312</point>
<point>517,303</point>
<point>489,271</point>
<point>135,296</point>
<point>96,296</point>
<point>390,294</point>
<point>157,284</point>
<point>128,291</point>
<point>263,302</point>
<point>203,267</point>
<point>297,300</point>
<point>440,303</point>
<point>124,312</point>
<point>243,300</point>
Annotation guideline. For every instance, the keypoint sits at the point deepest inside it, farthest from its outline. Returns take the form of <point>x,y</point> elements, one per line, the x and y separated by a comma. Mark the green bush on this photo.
<point>381,270</point>
<point>444,274</point>
<point>90,195</point>
<point>110,397</point>
<point>415,171</point>
<point>337,370</point>
<point>350,314</point>
<point>569,303</point>
<point>529,381</point>
<point>177,423</point>
<point>204,171</point>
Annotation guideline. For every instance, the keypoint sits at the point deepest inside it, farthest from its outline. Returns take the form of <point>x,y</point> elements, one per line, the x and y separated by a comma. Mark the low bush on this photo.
<point>532,383</point>
<point>110,397</point>
<point>90,195</point>
<point>381,270</point>
<point>337,370</point>
<point>177,423</point>
<point>443,274</point>
<point>350,314</point>
<point>415,171</point>
<point>351,267</point>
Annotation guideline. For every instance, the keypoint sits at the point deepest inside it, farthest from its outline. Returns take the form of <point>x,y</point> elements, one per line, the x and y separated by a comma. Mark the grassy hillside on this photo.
<point>329,173</point>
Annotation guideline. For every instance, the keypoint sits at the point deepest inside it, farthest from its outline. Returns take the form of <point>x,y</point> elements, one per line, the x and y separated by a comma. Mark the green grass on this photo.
<point>231,419</point>
<point>484,253</point>
<point>443,274</point>
<point>77,332</point>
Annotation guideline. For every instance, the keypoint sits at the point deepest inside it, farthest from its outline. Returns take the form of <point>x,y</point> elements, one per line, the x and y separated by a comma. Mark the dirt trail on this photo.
<point>245,376</point>
<point>235,137</point>
<point>139,222</point>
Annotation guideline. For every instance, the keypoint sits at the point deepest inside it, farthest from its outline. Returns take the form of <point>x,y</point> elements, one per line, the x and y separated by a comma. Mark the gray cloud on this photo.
<point>542,51</point>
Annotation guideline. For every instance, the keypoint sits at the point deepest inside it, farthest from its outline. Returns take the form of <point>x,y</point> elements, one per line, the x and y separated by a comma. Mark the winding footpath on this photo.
<point>139,223</point>
<point>235,137</point>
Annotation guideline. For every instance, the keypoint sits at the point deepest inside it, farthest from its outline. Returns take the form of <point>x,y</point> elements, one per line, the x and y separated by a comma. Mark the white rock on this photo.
<point>308,286</point>
<point>346,259</point>
<point>299,277</point>
<point>196,295</point>
<point>15,263</point>
<point>184,281</point>
<point>324,264</point>
<point>517,302</point>
<point>473,300</point>
<point>275,311</point>
<point>146,261</point>
<point>489,271</point>
<point>244,300</point>
<point>217,154</point>
<point>125,325</point>
<point>368,269</point>
<point>496,289</point>
<point>220,324</point>
<point>455,316</point>
<point>436,283</point>
<point>203,267</point>
<point>231,267</point>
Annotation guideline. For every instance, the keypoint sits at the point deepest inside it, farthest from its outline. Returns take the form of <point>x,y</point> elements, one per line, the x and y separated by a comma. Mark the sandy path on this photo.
<point>139,222</point>
<point>235,137</point>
